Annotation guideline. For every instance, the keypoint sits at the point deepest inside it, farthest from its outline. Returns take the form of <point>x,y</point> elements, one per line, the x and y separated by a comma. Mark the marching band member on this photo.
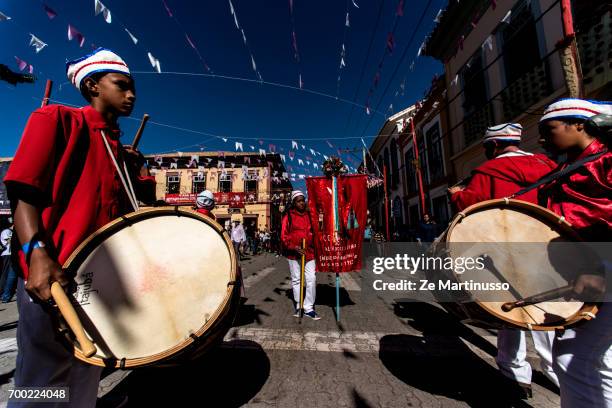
<point>583,355</point>
<point>508,170</point>
<point>205,203</point>
<point>295,227</point>
<point>63,185</point>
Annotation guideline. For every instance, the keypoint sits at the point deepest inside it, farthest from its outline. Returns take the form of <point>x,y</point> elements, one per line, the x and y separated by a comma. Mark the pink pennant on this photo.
<point>294,44</point>
<point>493,4</point>
<point>167,9</point>
<point>272,148</point>
<point>461,42</point>
<point>390,43</point>
<point>50,13</point>
<point>73,33</point>
<point>291,6</point>
<point>376,78</point>
<point>21,63</point>
<point>400,8</point>
<point>260,142</point>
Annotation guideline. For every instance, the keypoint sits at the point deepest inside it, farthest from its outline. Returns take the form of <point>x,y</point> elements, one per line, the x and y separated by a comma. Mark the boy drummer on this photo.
<point>65,182</point>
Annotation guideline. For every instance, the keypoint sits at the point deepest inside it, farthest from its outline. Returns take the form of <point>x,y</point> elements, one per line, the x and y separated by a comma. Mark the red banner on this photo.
<point>338,251</point>
<point>235,200</point>
<point>180,199</point>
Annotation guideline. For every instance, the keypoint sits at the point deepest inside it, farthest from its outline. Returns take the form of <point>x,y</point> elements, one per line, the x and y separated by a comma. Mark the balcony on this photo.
<point>528,89</point>
<point>477,123</point>
<point>594,38</point>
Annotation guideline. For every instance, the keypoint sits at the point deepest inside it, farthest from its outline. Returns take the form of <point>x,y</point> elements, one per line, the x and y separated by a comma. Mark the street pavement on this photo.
<point>383,353</point>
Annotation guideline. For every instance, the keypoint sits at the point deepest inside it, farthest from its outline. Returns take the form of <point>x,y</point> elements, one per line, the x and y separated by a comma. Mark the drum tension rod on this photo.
<point>122,363</point>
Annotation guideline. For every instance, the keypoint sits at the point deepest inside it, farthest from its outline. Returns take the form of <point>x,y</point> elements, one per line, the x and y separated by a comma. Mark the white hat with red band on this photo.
<point>509,132</point>
<point>573,108</point>
<point>101,60</point>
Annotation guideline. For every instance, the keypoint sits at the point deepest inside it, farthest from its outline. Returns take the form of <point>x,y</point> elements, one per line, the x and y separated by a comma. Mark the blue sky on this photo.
<point>238,110</point>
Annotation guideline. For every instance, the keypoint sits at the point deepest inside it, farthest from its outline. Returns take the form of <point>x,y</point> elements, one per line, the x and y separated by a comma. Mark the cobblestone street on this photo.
<point>381,354</point>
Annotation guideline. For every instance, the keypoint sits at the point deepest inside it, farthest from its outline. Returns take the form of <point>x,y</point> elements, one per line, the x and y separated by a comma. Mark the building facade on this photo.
<point>248,187</point>
<point>505,61</point>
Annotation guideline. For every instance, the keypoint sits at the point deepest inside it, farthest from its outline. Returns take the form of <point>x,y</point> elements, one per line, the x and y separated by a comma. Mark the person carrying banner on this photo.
<point>583,355</point>
<point>296,227</point>
<point>508,170</point>
<point>205,203</point>
<point>66,181</point>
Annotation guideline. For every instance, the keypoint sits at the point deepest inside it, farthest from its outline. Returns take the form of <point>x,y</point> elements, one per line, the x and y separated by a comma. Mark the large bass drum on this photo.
<point>527,246</point>
<point>155,287</point>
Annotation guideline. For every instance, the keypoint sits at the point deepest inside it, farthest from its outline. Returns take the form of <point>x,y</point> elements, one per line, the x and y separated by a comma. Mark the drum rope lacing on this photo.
<point>129,189</point>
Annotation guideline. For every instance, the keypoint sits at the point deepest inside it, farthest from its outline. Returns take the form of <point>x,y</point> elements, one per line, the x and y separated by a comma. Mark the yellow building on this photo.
<point>249,187</point>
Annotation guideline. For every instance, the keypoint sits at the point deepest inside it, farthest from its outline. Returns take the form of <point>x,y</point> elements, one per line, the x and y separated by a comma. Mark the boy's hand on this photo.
<point>42,272</point>
<point>588,287</point>
<point>300,251</point>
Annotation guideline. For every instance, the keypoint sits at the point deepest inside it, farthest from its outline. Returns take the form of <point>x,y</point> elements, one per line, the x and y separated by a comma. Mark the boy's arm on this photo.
<point>42,269</point>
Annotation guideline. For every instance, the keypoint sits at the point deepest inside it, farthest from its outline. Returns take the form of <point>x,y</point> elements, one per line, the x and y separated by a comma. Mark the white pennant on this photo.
<point>134,39</point>
<point>234,14</point>
<point>300,162</point>
<point>348,24</point>
<point>36,43</point>
<point>239,146</point>
<point>282,156</point>
<point>101,8</point>
<point>355,4</point>
<point>488,42</point>
<point>4,17</point>
<point>507,17</point>
<point>154,62</point>
<point>294,145</point>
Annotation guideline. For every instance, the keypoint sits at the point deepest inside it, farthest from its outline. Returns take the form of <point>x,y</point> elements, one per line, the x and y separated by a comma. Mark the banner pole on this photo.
<point>419,174</point>
<point>386,203</point>
<point>337,297</point>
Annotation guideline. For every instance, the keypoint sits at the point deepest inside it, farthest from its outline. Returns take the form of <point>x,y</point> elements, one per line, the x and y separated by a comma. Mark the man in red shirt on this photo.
<point>295,228</point>
<point>508,170</point>
<point>205,203</point>
<point>583,355</point>
<point>67,179</point>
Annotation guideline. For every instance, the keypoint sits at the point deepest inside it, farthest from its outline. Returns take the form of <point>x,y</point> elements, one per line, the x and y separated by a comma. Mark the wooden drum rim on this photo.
<point>83,250</point>
<point>586,311</point>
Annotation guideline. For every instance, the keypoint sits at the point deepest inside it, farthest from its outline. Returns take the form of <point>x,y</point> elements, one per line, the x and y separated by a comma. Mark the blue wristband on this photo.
<point>30,246</point>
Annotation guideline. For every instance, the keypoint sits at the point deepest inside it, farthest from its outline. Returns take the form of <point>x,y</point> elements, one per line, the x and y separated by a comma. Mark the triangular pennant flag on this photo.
<point>390,43</point>
<point>303,147</point>
<point>50,12</point>
<point>239,146</point>
<point>437,19</point>
<point>325,157</point>
<point>262,152</point>
<point>488,43</point>
<point>233,13</point>
<point>347,23</point>
<point>154,62</point>
<point>167,9</point>
<point>300,82</point>
<point>101,8</point>
<point>329,144</point>
<point>421,49</point>
<point>73,33</point>
<point>455,79</point>
<point>247,159</point>
<point>252,147</point>
<point>134,39</point>
<point>4,17</point>
<point>221,164</point>
<point>315,165</point>
<point>312,152</point>
<point>300,162</point>
<point>36,43</point>
<point>23,65</point>
<point>507,17</point>
<point>355,4</point>
<point>294,145</point>
<point>224,139</point>
<point>173,165</point>
<point>282,156</point>
<point>400,8</point>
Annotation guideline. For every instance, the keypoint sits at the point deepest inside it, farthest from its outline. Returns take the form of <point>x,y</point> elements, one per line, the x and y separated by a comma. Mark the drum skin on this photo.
<point>157,286</point>
<point>486,226</point>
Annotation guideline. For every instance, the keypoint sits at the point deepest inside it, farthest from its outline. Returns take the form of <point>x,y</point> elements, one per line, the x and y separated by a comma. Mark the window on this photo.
<point>394,165</point>
<point>473,82</point>
<point>198,183</point>
<point>250,183</point>
<point>520,42</point>
<point>225,183</point>
<point>434,152</point>
<point>173,183</point>
<point>410,172</point>
<point>423,160</point>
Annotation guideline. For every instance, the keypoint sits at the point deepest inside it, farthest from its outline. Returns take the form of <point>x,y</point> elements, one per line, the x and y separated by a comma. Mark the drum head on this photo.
<point>523,246</point>
<point>151,282</point>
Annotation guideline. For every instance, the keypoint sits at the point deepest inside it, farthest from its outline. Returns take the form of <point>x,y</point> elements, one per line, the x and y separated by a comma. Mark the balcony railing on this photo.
<point>594,37</point>
<point>477,123</point>
<point>531,87</point>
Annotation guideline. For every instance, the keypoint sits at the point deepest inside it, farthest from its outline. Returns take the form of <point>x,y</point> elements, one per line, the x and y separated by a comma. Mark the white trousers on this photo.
<point>583,362</point>
<point>512,354</point>
<point>311,283</point>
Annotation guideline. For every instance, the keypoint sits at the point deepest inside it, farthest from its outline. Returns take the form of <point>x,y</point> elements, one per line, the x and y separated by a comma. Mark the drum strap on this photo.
<point>125,177</point>
<point>561,173</point>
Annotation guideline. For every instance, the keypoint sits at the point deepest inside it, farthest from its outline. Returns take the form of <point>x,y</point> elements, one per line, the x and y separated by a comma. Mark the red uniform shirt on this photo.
<point>584,197</point>
<point>502,177</point>
<point>206,213</point>
<point>292,235</point>
<point>62,157</point>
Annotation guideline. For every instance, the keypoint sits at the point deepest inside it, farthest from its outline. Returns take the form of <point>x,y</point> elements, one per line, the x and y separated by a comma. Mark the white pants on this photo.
<point>311,283</point>
<point>512,354</point>
<point>583,362</point>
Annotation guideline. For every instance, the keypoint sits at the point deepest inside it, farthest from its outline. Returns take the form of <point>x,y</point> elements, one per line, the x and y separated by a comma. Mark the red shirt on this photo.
<point>584,197</point>
<point>206,213</point>
<point>62,157</point>
<point>502,177</point>
<point>292,235</point>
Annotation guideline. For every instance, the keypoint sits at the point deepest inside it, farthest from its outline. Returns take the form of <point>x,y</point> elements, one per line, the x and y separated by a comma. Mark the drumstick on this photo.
<point>539,298</point>
<point>145,118</point>
<point>63,303</point>
<point>302,280</point>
